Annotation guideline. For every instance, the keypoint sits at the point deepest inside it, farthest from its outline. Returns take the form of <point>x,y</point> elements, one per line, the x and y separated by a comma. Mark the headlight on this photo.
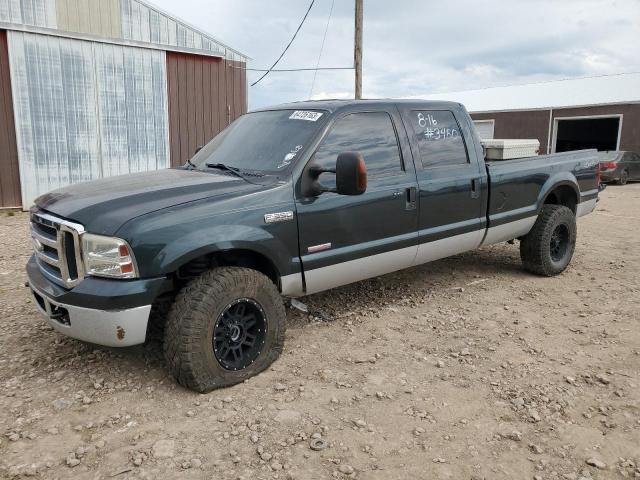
<point>107,257</point>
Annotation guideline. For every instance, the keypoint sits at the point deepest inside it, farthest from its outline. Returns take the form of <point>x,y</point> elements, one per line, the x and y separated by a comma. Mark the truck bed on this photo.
<point>518,187</point>
<point>538,160</point>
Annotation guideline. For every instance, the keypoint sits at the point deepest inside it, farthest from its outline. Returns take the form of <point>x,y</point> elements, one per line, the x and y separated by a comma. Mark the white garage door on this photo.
<point>484,128</point>
<point>85,110</point>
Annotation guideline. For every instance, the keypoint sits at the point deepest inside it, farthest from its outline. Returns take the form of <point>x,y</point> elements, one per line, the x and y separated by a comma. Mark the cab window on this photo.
<point>439,139</point>
<point>372,134</point>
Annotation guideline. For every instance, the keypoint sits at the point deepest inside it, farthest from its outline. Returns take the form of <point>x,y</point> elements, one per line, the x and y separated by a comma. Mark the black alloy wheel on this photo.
<point>224,327</point>
<point>559,242</point>
<point>548,247</point>
<point>239,334</point>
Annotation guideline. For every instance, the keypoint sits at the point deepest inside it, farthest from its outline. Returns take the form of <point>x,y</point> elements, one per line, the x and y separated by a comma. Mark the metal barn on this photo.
<point>94,88</point>
<point>596,112</point>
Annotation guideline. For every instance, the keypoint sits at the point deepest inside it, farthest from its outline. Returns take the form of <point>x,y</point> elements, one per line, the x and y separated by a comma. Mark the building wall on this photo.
<point>536,123</point>
<point>9,171</point>
<point>526,125</point>
<point>630,134</point>
<point>85,110</point>
<point>205,95</point>
<point>37,13</point>
<point>98,17</point>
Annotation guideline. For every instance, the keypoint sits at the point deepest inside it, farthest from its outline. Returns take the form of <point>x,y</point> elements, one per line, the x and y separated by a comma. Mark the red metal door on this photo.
<point>10,196</point>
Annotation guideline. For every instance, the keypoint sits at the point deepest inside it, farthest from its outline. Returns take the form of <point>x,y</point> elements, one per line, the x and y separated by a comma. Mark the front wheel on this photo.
<point>225,326</point>
<point>548,248</point>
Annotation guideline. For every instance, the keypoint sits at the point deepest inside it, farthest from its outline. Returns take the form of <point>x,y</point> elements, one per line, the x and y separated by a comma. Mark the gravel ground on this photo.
<point>466,368</point>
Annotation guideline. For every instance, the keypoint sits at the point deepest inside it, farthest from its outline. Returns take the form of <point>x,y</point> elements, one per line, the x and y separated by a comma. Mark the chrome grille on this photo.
<point>56,243</point>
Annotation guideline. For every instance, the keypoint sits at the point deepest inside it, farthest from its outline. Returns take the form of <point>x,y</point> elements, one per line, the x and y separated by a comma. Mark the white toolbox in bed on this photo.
<point>510,149</point>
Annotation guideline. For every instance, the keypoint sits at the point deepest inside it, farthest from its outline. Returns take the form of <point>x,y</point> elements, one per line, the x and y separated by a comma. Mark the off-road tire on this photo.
<point>158,318</point>
<point>535,247</point>
<point>188,339</point>
<point>624,178</point>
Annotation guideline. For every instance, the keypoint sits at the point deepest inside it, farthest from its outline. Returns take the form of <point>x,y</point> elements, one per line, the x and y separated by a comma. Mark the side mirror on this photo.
<point>351,176</point>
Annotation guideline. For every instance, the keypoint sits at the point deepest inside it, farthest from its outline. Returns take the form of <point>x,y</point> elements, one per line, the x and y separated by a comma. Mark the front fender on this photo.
<point>167,239</point>
<point>220,238</point>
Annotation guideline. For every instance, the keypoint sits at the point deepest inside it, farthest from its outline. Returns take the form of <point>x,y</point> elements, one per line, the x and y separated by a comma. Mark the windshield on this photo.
<point>265,142</point>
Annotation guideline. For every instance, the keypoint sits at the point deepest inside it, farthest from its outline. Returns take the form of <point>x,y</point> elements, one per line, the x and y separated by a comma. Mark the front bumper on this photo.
<point>116,328</point>
<point>114,313</point>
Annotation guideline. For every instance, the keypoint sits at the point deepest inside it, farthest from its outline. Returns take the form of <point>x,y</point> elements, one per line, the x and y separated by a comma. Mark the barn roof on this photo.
<point>599,90</point>
<point>126,22</point>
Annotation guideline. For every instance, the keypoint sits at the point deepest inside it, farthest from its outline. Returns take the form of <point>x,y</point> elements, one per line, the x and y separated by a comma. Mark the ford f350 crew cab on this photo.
<point>289,201</point>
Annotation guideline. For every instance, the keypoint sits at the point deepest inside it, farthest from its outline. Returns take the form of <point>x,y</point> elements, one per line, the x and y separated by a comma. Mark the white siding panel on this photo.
<point>39,13</point>
<point>133,20</point>
<point>484,128</point>
<point>85,110</point>
<point>143,23</point>
<point>133,109</point>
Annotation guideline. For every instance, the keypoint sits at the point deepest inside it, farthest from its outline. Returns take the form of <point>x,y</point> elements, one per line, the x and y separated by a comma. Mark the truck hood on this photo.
<point>103,206</point>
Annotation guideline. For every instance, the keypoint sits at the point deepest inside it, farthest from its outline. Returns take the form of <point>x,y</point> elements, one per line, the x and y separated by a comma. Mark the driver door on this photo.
<point>344,239</point>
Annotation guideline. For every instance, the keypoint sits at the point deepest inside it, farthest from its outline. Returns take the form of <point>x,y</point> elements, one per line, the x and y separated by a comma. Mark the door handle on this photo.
<point>411,198</point>
<point>475,188</point>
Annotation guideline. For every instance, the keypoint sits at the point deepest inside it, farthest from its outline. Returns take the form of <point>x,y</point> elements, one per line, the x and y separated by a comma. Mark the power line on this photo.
<point>541,82</point>
<point>288,45</point>
<point>326,28</point>
<point>304,69</point>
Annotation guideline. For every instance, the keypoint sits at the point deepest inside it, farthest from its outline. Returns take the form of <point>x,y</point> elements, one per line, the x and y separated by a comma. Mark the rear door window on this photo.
<point>439,139</point>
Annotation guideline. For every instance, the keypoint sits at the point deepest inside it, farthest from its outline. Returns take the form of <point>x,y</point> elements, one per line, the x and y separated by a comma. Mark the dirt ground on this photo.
<point>467,368</point>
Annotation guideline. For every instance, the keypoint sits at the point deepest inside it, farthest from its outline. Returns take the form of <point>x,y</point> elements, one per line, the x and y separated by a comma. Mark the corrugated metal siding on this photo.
<point>143,23</point>
<point>37,13</point>
<point>117,20</point>
<point>85,110</point>
<point>98,17</point>
<point>9,172</point>
<point>205,94</point>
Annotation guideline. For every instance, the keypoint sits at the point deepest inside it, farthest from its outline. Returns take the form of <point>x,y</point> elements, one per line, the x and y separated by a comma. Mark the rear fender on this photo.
<point>560,179</point>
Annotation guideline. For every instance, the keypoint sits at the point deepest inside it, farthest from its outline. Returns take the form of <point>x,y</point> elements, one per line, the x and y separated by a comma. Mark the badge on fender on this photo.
<point>278,217</point>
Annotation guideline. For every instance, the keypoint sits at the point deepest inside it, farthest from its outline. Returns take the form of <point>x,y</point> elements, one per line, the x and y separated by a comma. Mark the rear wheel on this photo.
<point>548,248</point>
<point>225,326</point>
<point>624,178</point>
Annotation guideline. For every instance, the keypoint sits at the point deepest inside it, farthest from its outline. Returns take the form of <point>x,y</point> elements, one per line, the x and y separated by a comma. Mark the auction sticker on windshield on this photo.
<point>305,115</point>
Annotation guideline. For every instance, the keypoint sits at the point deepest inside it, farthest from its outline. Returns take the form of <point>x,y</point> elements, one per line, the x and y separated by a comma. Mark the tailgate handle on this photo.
<point>475,188</point>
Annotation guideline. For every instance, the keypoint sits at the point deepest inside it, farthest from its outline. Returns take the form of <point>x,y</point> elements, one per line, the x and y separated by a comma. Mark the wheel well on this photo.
<point>229,258</point>
<point>563,195</point>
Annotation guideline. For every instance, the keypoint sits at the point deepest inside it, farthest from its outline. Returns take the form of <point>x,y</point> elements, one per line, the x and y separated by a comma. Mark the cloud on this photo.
<point>413,47</point>
<point>334,95</point>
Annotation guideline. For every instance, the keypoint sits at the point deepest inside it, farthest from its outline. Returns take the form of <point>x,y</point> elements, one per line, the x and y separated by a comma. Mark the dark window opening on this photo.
<point>598,133</point>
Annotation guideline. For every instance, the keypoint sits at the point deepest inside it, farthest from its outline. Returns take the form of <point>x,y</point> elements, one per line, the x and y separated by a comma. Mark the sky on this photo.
<point>420,47</point>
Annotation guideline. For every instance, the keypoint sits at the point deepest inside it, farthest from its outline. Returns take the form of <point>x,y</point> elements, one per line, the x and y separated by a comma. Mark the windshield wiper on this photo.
<point>234,170</point>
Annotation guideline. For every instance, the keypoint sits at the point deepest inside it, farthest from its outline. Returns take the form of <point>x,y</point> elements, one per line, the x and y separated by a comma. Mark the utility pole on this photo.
<point>357,50</point>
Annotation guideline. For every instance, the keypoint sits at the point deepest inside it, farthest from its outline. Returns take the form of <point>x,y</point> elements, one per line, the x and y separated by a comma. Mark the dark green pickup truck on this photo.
<point>289,201</point>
